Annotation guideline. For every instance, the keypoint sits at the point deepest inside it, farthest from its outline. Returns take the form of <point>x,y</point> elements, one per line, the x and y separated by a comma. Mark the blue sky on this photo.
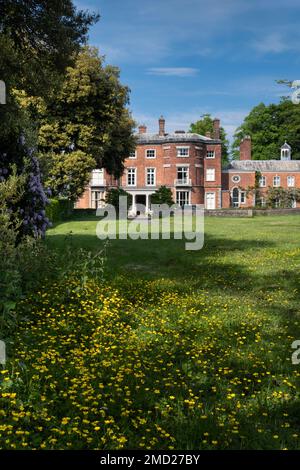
<point>184,58</point>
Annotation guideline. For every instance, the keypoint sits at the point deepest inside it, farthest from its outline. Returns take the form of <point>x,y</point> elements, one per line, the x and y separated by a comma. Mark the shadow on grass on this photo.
<point>212,270</point>
<point>154,259</point>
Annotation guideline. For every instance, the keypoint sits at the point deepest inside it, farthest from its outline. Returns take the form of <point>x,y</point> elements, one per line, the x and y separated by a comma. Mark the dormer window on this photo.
<point>285,152</point>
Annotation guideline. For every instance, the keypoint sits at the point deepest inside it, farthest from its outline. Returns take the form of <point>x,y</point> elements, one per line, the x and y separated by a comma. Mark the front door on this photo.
<point>210,200</point>
<point>140,199</point>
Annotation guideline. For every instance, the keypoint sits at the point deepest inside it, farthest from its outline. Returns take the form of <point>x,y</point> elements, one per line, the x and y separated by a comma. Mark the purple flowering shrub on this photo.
<point>33,203</point>
<point>30,207</point>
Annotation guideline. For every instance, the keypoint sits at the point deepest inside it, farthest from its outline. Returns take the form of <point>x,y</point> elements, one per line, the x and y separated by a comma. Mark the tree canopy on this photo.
<point>85,125</point>
<point>269,126</point>
<point>38,38</point>
<point>204,125</point>
<point>162,195</point>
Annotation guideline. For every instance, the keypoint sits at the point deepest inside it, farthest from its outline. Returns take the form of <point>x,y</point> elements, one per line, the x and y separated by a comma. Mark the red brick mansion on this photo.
<point>190,165</point>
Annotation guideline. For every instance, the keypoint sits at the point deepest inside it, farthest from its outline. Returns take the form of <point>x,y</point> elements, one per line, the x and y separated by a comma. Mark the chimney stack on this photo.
<point>216,124</point>
<point>245,148</point>
<point>161,124</point>
<point>142,129</point>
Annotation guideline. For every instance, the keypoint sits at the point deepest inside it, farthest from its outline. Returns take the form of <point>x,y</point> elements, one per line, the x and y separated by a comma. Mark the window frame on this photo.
<point>206,199</point>
<point>183,147</point>
<point>97,177</point>
<point>150,150</point>
<point>262,177</point>
<point>147,174</point>
<point>287,181</point>
<point>236,181</point>
<point>183,169</point>
<point>262,201</point>
<point>135,176</point>
<point>277,177</point>
<point>210,151</point>
<point>214,175</point>
<point>243,196</point>
<point>96,202</point>
<point>133,157</point>
<point>235,197</point>
<point>179,199</point>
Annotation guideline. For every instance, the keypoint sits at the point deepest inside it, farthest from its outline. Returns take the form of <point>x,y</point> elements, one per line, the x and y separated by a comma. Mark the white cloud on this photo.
<point>173,71</point>
<point>272,43</point>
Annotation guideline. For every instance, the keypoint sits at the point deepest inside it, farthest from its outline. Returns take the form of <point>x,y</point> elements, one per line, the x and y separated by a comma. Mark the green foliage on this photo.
<point>282,198</point>
<point>205,124</point>
<point>11,191</point>
<point>269,126</point>
<point>254,190</point>
<point>23,262</point>
<point>59,209</point>
<point>200,341</point>
<point>112,197</point>
<point>68,173</point>
<point>162,195</point>
<point>85,125</point>
<point>37,41</point>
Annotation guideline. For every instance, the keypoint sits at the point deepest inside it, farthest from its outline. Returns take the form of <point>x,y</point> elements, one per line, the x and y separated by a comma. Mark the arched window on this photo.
<point>235,197</point>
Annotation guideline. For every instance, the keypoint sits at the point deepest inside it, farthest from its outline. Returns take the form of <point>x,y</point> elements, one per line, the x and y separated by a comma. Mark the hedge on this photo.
<point>59,209</point>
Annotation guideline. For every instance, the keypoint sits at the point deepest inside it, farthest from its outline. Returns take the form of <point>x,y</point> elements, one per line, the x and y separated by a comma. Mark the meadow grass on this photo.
<point>174,349</point>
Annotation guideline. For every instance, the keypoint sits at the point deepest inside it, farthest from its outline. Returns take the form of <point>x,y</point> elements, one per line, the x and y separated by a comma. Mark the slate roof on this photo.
<point>263,165</point>
<point>183,137</point>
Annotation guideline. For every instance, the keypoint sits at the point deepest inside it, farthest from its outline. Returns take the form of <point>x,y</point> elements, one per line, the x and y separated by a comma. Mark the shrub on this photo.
<point>10,281</point>
<point>282,198</point>
<point>11,191</point>
<point>112,197</point>
<point>162,195</point>
<point>59,209</point>
<point>32,205</point>
<point>18,159</point>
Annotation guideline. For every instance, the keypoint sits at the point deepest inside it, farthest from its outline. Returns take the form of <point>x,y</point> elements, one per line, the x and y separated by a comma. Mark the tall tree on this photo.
<point>204,125</point>
<point>85,125</point>
<point>269,126</point>
<point>38,39</point>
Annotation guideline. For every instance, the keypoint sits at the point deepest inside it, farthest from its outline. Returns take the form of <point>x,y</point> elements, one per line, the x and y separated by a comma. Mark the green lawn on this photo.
<point>237,252</point>
<point>173,349</point>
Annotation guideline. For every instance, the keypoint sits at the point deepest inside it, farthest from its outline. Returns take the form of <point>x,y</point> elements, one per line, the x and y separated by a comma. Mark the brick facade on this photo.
<point>191,166</point>
<point>241,175</point>
<point>179,161</point>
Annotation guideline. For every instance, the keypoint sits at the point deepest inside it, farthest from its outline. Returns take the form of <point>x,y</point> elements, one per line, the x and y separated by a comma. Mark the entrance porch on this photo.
<point>141,202</point>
